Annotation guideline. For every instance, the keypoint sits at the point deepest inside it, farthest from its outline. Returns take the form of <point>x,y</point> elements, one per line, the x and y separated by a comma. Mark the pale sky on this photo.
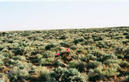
<point>56,14</point>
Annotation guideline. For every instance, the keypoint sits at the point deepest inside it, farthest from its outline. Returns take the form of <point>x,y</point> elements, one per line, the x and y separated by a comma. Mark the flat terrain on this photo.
<point>100,54</point>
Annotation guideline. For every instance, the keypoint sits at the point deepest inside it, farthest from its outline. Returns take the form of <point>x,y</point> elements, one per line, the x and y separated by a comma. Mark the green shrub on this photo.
<point>17,75</point>
<point>48,54</point>
<point>89,57</point>
<point>73,47</point>
<point>1,47</point>
<point>93,64</point>
<point>111,61</point>
<point>72,75</point>
<point>58,63</point>
<point>98,38</point>
<point>76,41</point>
<point>125,33</point>
<point>1,62</point>
<point>57,74</point>
<point>18,51</point>
<point>108,56</point>
<point>80,66</point>
<point>65,44</point>
<point>64,75</point>
<point>39,56</point>
<point>125,42</point>
<point>124,64</point>
<point>126,52</point>
<point>34,52</point>
<point>127,79</point>
<point>102,44</point>
<point>46,61</point>
<point>45,75</point>
<point>119,50</point>
<point>73,64</point>
<point>95,75</point>
<point>127,36</point>
<point>97,53</point>
<point>16,57</point>
<point>62,37</point>
<point>101,72</point>
<point>110,72</point>
<point>49,46</point>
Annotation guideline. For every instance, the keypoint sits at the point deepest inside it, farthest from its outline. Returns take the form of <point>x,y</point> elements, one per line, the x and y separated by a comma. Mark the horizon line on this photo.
<point>64,28</point>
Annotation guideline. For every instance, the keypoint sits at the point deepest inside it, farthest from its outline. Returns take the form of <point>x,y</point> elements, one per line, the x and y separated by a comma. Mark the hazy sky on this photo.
<point>51,14</point>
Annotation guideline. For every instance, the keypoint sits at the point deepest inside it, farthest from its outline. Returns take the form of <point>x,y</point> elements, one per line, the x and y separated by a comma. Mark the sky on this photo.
<point>60,14</point>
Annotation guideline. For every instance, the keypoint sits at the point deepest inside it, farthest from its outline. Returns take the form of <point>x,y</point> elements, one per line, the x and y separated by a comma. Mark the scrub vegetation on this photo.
<point>97,54</point>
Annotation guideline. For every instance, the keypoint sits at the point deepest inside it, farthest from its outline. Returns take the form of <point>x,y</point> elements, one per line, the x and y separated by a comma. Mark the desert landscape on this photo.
<point>67,55</point>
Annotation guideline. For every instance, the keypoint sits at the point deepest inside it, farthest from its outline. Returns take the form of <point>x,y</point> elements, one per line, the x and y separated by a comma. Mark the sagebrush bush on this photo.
<point>46,61</point>
<point>49,46</point>
<point>111,61</point>
<point>1,62</point>
<point>95,75</point>
<point>18,51</point>
<point>45,75</point>
<point>63,37</point>
<point>65,44</point>
<point>17,75</point>
<point>89,57</point>
<point>77,40</point>
<point>57,74</point>
<point>126,52</point>
<point>127,36</point>
<point>59,63</point>
<point>108,56</point>
<point>124,64</point>
<point>72,75</point>
<point>80,66</point>
<point>93,64</point>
